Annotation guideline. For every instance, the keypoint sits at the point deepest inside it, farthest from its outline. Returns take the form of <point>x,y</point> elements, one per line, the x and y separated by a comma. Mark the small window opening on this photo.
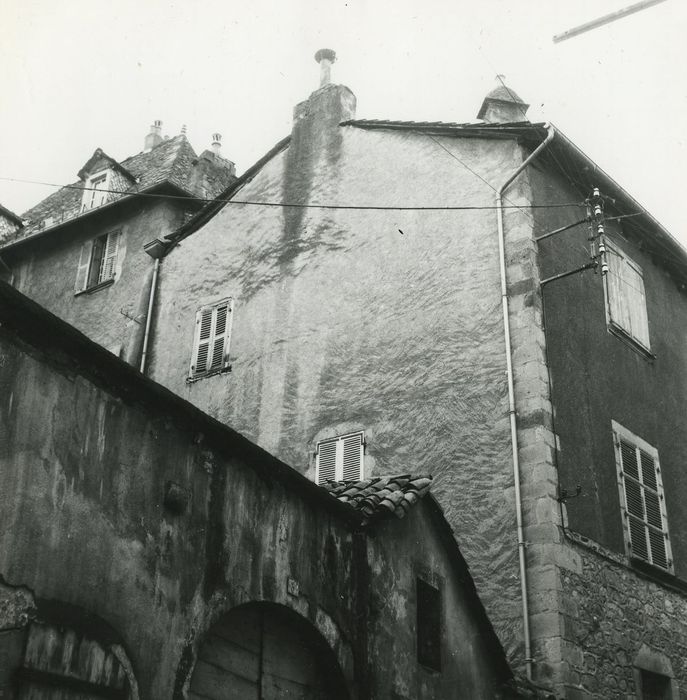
<point>428,625</point>
<point>655,686</point>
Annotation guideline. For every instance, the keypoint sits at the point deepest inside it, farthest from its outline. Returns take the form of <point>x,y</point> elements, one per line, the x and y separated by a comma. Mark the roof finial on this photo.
<point>183,129</point>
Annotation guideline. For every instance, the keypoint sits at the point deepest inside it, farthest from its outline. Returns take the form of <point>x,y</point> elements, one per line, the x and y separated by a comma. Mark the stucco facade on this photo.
<point>382,321</point>
<point>389,321</point>
<point>137,522</point>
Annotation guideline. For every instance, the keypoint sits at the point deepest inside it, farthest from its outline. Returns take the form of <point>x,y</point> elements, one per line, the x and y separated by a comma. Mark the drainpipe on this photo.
<point>156,249</point>
<point>511,394</point>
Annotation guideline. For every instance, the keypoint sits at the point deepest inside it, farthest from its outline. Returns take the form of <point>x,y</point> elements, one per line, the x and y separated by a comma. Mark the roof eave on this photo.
<point>92,212</point>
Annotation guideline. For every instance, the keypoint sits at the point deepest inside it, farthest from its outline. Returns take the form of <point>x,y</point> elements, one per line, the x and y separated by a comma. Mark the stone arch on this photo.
<point>265,650</point>
<point>68,652</point>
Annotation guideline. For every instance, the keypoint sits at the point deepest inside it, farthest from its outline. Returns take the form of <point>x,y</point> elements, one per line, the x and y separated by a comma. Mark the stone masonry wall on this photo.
<point>615,620</point>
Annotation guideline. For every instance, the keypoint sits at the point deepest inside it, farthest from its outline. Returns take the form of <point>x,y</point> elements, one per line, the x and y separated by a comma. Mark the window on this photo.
<point>428,625</point>
<point>641,497</point>
<point>95,191</point>
<point>340,459</point>
<point>98,261</point>
<point>625,299</point>
<point>211,342</point>
<point>655,686</point>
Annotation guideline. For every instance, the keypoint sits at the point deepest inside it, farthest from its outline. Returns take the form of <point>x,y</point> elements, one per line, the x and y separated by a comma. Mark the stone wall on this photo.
<point>616,620</point>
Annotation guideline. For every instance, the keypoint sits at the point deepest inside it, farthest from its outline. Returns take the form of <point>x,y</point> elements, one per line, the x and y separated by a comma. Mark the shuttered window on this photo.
<point>642,499</point>
<point>211,342</point>
<point>97,261</point>
<point>340,459</point>
<point>625,298</point>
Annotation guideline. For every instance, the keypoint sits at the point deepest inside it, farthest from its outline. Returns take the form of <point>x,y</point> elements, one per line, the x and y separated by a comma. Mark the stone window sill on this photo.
<point>625,337</point>
<point>95,287</point>
<point>215,372</point>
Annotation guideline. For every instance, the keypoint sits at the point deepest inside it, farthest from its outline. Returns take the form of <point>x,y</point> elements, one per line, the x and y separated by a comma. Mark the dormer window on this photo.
<point>96,191</point>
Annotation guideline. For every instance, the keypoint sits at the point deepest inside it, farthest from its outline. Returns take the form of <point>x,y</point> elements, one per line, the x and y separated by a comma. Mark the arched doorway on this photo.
<point>263,651</point>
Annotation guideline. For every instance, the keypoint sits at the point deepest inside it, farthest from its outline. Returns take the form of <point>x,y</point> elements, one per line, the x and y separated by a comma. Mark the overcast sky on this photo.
<point>79,74</point>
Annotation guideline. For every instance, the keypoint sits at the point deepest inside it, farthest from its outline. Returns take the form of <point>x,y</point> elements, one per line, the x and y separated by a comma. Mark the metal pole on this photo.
<point>611,17</point>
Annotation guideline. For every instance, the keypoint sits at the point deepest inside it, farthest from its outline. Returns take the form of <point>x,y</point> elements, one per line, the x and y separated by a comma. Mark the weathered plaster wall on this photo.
<point>114,315</point>
<point>393,614</point>
<point>88,453</point>
<point>389,321</point>
<point>83,522</point>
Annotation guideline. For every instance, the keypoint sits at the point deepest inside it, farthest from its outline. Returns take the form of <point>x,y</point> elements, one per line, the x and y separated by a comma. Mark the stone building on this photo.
<point>148,551</point>
<point>445,298</point>
<point>102,221</point>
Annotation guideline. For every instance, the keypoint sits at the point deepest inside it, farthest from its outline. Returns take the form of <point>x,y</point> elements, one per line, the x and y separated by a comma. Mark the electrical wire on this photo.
<point>290,204</point>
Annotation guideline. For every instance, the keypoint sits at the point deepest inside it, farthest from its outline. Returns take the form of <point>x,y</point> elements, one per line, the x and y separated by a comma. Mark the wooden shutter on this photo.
<point>212,338</point>
<point>352,457</point>
<point>84,266</point>
<point>326,461</point>
<point>626,296</point>
<point>644,503</point>
<point>340,459</point>
<point>109,258</point>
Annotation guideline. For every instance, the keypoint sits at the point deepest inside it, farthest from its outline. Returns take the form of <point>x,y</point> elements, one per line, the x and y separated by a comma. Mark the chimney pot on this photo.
<point>325,57</point>
<point>216,143</point>
<point>154,137</point>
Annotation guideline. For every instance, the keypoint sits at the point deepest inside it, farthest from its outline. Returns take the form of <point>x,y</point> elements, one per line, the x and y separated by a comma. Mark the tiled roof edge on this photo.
<point>125,197</point>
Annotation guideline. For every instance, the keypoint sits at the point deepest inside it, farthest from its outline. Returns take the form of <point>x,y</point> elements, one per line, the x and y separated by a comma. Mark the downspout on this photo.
<point>511,394</point>
<point>149,316</point>
<point>156,249</point>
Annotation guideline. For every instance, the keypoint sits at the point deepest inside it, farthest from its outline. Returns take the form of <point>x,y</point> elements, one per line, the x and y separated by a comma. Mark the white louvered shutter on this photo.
<point>213,325</point>
<point>219,334</point>
<point>326,461</point>
<point>340,459</point>
<point>84,266</point>
<point>646,518</point>
<point>352,457</point>
<point>109,259</point>
<point>203,337</point>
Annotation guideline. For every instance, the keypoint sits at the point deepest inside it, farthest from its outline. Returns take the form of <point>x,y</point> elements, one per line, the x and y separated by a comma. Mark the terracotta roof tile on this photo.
<point>383,494</point>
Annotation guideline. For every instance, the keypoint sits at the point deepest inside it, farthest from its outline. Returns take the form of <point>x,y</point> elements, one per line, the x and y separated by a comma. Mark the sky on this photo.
<point>78,75</point>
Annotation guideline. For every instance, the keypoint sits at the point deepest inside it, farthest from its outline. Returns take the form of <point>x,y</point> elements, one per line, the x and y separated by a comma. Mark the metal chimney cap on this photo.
<point>325,54</point>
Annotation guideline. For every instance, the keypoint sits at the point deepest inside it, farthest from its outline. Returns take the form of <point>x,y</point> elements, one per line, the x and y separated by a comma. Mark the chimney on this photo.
<point>325,57</point>
<point>154,137</point>
<point>503,105</point>
<point>216,143</point>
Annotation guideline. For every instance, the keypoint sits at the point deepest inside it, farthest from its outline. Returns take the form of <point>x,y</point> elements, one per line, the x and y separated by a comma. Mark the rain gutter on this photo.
<point>511,394</point>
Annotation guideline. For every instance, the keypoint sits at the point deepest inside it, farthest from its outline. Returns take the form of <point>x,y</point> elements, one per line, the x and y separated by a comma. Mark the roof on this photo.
<point>172,162</point>
<point>383,495</point>
<point>504,94</point>
<point>4,211</point>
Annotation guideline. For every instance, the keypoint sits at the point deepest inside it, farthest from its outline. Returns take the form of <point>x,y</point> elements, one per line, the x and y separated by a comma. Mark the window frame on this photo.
<point>211,340</point>
<point>339,443</point>
<point>90,192</point>
<point>622,434</point>
<point>616,324</point>
<point>97,266</point>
